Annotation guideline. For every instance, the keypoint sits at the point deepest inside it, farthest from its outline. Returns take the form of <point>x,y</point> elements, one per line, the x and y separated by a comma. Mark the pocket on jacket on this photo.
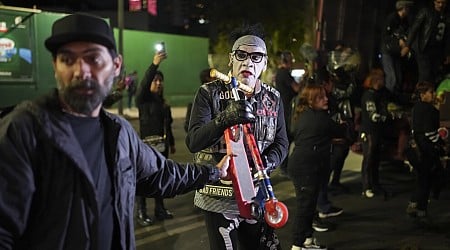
<point>126,173</point>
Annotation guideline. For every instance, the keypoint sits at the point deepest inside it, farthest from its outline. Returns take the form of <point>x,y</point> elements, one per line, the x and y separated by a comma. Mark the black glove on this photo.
<point>237,112</point>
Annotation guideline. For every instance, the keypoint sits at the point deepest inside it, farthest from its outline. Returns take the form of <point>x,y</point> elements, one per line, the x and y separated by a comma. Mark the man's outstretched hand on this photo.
<point>223,166</point>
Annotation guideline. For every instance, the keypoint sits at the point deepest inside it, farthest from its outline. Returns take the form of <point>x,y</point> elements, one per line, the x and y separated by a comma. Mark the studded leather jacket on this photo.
<point>206,140</point>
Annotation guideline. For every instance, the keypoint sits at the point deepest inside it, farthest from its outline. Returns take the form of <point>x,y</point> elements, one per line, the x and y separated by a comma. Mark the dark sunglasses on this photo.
<point>241,55</point>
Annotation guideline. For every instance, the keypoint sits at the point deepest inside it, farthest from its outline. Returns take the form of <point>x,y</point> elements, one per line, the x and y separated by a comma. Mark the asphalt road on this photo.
<point>366,224</point>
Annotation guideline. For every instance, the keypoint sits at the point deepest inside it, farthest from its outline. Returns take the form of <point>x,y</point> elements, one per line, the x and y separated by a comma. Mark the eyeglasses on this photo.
<point>241,55</point>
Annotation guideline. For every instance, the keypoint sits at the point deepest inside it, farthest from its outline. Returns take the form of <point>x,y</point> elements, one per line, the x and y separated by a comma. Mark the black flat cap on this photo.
<point>400,4</point>
<point>80,27</point>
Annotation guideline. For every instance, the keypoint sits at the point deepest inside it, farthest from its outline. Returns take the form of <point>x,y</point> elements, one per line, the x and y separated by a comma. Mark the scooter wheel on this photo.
<point>257,211</point>
<point>276,214</point>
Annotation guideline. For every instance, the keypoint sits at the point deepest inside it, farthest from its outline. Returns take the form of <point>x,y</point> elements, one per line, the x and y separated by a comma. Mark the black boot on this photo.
<point>161,213</point>
<point>143,219</point>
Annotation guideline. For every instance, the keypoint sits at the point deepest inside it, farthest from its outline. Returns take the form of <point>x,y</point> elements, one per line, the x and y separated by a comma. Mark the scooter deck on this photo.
<point>241,176</point>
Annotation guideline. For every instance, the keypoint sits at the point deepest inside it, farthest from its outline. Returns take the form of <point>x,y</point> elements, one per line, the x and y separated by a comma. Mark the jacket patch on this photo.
<point>268,107</point>
<point>370,106</point>
<point>217,191</point>
<point>226,95</point>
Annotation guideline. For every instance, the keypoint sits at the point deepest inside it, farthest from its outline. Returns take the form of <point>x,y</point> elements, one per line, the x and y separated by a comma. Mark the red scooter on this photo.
<point>253,203</point>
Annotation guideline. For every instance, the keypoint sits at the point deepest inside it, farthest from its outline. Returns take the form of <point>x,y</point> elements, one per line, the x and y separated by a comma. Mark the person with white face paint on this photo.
<point>214,109</point>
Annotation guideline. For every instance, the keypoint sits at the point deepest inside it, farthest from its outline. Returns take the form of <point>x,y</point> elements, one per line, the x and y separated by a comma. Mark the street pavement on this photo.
<point>366,224</point>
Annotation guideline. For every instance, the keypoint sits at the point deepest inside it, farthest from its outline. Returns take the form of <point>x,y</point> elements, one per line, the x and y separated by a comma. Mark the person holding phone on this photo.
<point>155,121</point>
<point>161,47</point>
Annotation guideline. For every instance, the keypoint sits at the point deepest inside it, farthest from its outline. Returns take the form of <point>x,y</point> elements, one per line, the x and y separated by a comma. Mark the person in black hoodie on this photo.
<point>309,164</point>
<point>155,127</point>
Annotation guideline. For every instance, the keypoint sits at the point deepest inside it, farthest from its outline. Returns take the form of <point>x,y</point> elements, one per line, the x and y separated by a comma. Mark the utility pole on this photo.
<point>120,23</point>
<point>319,25</point>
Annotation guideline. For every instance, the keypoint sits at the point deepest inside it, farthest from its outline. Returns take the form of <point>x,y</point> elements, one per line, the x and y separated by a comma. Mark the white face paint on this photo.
<point>247,70</point>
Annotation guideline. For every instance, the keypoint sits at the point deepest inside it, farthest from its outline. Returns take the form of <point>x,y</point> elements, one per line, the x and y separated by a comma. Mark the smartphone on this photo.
<point>160,47</point>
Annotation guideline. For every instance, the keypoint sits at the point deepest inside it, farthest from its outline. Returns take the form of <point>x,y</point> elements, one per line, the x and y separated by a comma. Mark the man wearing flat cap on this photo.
<point>69,169</point>
<point>214,109</point>
<point>393,39</point>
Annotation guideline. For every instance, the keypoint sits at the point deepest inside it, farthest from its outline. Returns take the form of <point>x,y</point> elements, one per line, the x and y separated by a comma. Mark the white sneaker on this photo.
<point>333,211</point>
<point>294,247</point>
<point>368,193</point>
<point>312,244</point>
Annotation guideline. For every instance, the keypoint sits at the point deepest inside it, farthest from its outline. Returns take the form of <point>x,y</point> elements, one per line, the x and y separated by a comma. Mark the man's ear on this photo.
<point>230,62</point>
<point>117,65</point>
<point>54,63</point>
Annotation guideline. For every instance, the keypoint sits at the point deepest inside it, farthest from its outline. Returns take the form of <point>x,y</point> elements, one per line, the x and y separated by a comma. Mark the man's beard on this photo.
<point>84,103</point>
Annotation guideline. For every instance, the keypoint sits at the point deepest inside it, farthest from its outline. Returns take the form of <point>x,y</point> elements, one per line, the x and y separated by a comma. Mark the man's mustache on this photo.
<point>85,84</point>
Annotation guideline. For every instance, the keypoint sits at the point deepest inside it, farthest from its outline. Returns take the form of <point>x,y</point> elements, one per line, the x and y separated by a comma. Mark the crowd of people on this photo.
<point>65,156</point>
<point>383,109</point>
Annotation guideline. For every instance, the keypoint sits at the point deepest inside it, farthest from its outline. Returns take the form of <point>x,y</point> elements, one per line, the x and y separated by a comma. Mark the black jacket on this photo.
<point>155,116</point>
<point>373,111</point>
<point>425,125</point>
<point>270,129</point>
<point>48,198</point>
<point>314,130</point>
<point>422,29</point>
<point>395,28</point>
